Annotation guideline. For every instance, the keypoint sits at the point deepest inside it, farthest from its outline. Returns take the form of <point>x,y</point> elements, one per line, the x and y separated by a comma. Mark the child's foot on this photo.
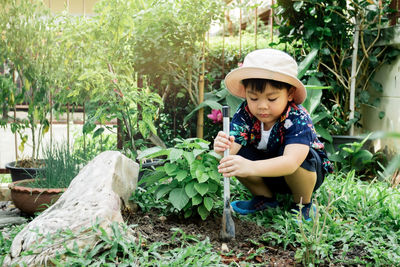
<point>308,211</point>
<point>258,203</point>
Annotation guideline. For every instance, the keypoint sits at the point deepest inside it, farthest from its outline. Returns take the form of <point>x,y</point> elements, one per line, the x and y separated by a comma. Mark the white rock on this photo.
<point>96,195</point>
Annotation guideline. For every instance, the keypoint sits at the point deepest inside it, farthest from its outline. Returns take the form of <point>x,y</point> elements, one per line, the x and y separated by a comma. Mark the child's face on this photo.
<point>269,105</point>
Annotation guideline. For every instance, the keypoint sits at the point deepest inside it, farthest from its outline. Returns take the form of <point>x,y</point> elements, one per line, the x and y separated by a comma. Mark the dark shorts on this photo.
<point>312,163</point>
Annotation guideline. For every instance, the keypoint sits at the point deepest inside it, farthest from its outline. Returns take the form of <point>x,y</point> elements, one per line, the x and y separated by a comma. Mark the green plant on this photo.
<point>105,82</point>
<point>60,167</point>
<point>189,178</point>
<point>5,178</point>
<point>329,27</point>
<point>354,156</point>
<point>87,148</point>
<point>7,235</point>
<point>29,36</point>
<point>352,227</point>
<point>314,248</point>
<point>9,97</point>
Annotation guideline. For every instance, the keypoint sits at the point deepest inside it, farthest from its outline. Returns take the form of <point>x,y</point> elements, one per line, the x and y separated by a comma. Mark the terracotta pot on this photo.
<point>30,200</point>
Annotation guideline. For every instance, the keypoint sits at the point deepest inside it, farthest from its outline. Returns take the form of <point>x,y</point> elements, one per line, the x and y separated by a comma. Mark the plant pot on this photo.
<point>339,140</point>
<point>30,200</point>
<point>148,165</point>
<point>21,173</point>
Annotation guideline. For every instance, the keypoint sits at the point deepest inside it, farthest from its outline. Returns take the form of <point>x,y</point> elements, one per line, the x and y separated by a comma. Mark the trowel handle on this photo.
<point>225,115</point>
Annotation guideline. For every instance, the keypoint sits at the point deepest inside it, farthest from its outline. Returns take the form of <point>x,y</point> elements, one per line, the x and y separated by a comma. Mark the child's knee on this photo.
<point>301,180</point>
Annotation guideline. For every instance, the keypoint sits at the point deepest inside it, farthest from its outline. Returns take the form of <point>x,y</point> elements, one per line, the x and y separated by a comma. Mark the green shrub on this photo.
<point>179,108</point>
<point>354,156</point>
<point>189,180</point>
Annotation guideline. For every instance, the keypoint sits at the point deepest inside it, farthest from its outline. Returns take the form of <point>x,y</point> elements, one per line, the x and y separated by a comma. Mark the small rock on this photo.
<point>162,218</point>
<point>224,248</point>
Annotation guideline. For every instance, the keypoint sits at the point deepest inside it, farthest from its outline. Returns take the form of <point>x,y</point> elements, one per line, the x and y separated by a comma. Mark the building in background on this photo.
<point>75,7</point>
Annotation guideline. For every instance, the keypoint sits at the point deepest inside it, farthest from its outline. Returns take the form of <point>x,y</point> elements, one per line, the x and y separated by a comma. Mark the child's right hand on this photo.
<point>222,142</point>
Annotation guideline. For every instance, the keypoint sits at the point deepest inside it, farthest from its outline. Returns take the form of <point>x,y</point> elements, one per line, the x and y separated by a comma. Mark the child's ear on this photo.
<point>291,93</point>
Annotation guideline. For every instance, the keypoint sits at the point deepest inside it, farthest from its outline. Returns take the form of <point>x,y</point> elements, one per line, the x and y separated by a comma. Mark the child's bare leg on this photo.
<point>301,183</point>
<point>256,186</point>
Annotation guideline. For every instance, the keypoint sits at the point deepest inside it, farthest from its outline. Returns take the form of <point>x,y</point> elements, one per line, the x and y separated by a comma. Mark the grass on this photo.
<point>357,223</point>
<point>5,178</point>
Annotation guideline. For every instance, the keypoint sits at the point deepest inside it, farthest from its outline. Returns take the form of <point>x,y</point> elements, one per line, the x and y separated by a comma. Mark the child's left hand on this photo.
<point>234,165</point>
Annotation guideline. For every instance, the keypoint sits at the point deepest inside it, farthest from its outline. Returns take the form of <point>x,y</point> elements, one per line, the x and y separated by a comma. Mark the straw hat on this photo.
<point>269,64</point>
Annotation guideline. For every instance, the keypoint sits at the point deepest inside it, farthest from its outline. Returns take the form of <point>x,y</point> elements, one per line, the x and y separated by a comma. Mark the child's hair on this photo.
<point>259,85</point>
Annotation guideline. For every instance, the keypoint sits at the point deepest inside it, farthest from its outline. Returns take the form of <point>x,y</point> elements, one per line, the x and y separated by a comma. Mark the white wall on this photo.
<point>389,77</point>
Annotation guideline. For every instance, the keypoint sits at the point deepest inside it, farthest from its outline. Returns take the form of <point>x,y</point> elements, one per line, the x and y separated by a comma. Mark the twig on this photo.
<point>337,75</point>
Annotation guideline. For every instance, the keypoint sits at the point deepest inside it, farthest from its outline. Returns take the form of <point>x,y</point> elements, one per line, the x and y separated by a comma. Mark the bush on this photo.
<point>188,181</point>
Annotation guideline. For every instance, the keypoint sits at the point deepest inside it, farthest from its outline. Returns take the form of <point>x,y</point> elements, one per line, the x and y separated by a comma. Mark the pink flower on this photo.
<point>240,64</point>
<point>216,115</point>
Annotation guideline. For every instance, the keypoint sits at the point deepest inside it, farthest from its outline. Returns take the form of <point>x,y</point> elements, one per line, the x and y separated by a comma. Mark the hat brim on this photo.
<point>233,81</point>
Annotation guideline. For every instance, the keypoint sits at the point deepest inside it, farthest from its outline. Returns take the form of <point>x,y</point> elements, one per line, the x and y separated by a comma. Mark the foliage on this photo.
<point>189,177</point>
<point>105,82</point>
<point>357,224</point>
<point>60,167</point>
<point>87,148</point>
<point>9,97</point>
<point>28,38</point>
<point>328,27</point>
<point>365,211</point>
<point>5,178</point>
<point>167,42</point>
<point>62,164</point>
<point>221,57</point>
<point>7,234</point>
<point>355,156</point>
<point>391,170</point>
<point>119,247</point>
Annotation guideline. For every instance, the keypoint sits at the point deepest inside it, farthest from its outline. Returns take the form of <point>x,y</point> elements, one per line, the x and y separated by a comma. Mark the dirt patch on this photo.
<point>246,247</point>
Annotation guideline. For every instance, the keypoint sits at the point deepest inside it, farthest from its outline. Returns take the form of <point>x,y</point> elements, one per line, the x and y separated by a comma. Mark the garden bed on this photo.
<point>246,247</point>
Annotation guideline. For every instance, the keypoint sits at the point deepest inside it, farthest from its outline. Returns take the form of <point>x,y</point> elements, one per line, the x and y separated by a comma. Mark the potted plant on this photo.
<point>60,168</point>
<point>29,37</point>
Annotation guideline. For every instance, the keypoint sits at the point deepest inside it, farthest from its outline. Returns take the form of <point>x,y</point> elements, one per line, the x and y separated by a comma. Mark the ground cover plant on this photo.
<point>5,178</point>
<point>357,224</point>
<point>180,203</point>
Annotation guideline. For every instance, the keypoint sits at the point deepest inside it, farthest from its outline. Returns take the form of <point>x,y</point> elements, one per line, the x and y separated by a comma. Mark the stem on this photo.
<point>336,74</point>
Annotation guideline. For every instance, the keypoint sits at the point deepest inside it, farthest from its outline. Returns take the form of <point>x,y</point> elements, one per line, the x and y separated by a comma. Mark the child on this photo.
<point>273,144</point>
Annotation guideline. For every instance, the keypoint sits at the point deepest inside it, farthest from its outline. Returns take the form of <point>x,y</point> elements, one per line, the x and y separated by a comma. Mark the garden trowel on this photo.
<point>228,226</point>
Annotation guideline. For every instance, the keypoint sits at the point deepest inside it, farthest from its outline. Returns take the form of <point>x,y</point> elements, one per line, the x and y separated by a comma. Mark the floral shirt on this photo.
<point>293,127</point>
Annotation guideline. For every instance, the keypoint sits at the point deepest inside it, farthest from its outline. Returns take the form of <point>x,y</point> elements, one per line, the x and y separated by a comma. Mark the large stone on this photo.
<point>95,196</point>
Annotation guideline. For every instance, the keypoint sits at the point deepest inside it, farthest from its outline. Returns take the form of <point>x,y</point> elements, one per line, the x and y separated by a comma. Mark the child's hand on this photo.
<point>234,165</point>
<point>222,142</point>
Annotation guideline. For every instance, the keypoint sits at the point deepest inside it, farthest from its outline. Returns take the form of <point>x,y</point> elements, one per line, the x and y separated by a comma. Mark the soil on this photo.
<point>28,163</point>
<point>156,228</point>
